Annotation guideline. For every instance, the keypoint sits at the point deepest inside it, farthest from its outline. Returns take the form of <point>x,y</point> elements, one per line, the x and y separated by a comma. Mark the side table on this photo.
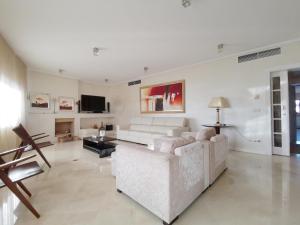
<point>218,126</point>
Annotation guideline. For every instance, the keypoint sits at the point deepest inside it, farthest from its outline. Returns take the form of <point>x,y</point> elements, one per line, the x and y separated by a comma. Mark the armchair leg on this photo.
<point>42,155</point>
<point>15,190</point>
<point>118,190</point>
<point>24,188</point>
<point>165,223</point>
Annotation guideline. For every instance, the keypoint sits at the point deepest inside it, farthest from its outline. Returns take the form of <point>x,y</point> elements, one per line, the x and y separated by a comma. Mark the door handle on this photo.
<point>284,110</point>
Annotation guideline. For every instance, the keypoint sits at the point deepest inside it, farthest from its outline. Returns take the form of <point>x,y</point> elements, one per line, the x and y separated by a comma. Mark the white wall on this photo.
<point>246,86</point>
<point>92,89</point>
<point>40,120</point>
<point>55,86</point>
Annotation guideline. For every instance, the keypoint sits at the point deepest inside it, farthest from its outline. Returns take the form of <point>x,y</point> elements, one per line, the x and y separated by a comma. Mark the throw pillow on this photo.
<point>169,146</point>
<point>205,134</point>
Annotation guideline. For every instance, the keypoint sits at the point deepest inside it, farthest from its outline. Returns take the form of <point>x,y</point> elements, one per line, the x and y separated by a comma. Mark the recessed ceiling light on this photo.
<point>186,3</point>
<point>220,47</point>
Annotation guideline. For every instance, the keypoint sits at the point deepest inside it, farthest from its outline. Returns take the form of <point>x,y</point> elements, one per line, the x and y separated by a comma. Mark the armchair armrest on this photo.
<point>176,132</point>
<point>40,137</point>
<point>13,150</point>
<point>189,134</point>
<point>147,177</point>
<point>37,135</point>
<point>15,162</point>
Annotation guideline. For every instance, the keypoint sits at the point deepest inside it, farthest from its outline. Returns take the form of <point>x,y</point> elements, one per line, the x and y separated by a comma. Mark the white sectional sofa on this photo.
<point>144,130</point>
<point>167,182</point>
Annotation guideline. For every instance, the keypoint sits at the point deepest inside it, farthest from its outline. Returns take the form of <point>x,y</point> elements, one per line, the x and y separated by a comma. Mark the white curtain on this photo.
<point>12,95</point>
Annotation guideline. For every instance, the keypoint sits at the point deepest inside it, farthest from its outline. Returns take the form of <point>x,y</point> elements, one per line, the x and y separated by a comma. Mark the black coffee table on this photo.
<point>103,146</point>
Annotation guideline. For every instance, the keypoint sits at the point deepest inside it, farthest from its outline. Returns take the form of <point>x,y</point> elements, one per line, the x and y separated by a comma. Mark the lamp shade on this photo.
<point>218,102</point>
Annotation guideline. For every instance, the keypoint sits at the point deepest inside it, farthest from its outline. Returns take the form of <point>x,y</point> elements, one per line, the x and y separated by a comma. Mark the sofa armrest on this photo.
<point>218,154</point>
<point>146,177</point>
<point>189,153</point>
<point>176,132</point>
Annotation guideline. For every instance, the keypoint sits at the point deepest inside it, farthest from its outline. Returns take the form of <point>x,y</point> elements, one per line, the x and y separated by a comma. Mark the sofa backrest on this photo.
<point>141,121</point>
<point>150,128</point>
<point>160,121</point>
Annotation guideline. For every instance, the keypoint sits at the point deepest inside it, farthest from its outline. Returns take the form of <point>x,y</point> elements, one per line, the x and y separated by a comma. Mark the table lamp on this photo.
<point>218,103</point>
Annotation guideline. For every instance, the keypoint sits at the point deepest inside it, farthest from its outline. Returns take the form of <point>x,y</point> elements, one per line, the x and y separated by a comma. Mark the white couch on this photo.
<point>167,183</point>
<point>218,151</point>
<point>144,130</point>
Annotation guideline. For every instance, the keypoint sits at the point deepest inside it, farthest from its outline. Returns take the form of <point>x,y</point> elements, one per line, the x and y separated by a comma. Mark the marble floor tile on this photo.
<point>79,190</point>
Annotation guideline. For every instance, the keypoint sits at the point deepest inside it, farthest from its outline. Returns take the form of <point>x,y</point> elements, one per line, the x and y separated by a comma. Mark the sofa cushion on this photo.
<point>141,120</point>
<point>175,121</point>
<point>159,121</point>
<point>169,121</point>
<point>140,127</point>
<point>169,145</point>
<point>161,129</point>
<point>148,128</point>
<point>206,134</point>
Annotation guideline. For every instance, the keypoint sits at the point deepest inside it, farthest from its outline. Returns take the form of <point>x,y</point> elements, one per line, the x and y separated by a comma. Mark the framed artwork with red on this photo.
<point>163,98</point>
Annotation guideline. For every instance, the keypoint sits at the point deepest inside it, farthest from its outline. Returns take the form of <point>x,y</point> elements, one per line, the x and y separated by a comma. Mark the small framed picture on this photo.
<point>66,104</point>
<point>40,100</point>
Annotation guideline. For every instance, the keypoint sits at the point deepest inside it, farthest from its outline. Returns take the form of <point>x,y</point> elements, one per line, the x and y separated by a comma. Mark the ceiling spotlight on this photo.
<point>220,47</point>
<point>97,51</point>
<point>186,3</point>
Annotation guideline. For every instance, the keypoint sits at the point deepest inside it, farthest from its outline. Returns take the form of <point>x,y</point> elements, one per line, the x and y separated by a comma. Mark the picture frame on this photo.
<point>40,100</point>
<point>166,97</point>
<point>66,104</point>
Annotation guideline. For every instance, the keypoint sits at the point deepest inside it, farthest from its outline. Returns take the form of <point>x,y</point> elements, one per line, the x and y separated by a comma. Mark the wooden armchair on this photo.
<point>12,175</point>
<point>30,140</point>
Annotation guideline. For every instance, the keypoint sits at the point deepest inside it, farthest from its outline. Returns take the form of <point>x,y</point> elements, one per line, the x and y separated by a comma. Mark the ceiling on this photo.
<point>159,34</point>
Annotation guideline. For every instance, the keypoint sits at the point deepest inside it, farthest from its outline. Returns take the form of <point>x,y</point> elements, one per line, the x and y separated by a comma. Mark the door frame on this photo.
<point>269,71</point>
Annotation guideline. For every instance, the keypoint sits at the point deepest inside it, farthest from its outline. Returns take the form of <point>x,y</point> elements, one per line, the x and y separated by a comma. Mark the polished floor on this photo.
<point>79,190</point>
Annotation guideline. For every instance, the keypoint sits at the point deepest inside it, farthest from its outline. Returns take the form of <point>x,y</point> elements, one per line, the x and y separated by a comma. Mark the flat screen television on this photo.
<point>90,103</point>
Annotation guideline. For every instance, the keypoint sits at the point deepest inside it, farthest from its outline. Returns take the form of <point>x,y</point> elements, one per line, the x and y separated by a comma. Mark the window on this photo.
<point>11,105</point>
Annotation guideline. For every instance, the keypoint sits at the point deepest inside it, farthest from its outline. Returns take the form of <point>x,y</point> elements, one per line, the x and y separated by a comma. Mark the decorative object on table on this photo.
<point>109,127</point>
<point>102,131</point>
<point>40,100</point>
<point>218,103</point>
<point>66,104</point>
<point>163,98</point>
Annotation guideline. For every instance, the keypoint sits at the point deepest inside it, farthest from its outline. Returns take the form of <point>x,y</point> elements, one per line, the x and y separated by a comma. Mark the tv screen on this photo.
<point>91,103</point>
